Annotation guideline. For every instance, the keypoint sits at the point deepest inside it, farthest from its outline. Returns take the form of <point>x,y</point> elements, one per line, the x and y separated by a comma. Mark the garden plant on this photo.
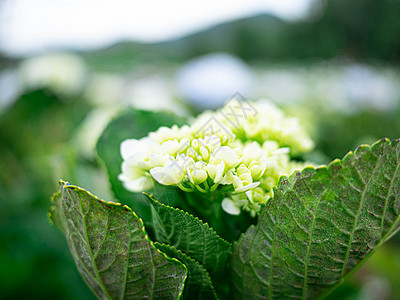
<point>226,205</point>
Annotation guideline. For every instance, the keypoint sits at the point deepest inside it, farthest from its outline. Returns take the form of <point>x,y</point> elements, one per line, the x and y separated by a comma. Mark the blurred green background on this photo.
<point>337,69</point>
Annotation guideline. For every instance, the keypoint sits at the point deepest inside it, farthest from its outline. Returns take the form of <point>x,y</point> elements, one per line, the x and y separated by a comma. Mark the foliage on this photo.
<point>29,150</point>
<point>320,226</point>
<point>112,251</point>
<point>37,139</point>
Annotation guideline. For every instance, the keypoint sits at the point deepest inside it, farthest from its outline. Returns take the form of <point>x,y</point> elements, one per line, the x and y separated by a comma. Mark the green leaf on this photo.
<point>112,251</point>
<point>198,285</point>
<point>320,226</point>
<point>190,235</point>
<point>132,124</point>
<point>56,215</point>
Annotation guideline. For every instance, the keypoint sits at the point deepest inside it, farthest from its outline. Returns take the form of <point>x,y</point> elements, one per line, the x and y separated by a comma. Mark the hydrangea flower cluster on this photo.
<point>241,156</point>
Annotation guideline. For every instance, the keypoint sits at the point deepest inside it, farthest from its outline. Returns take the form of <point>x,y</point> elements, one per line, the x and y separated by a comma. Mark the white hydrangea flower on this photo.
<point>246,160</point>
<point>63,73</point>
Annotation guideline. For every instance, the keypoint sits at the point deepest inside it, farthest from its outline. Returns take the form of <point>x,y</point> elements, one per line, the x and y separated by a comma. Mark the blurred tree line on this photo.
<point>365,30</point>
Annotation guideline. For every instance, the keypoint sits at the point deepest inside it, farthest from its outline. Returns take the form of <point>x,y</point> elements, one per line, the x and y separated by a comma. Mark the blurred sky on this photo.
<point>28,26</point>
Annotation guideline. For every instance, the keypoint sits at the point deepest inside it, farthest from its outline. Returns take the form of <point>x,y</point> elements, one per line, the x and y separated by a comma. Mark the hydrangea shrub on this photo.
<point>223,206</point>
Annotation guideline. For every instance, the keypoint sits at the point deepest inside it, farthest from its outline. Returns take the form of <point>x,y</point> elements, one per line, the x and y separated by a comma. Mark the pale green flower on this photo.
<point>268,123</point>
<point>246,159</point>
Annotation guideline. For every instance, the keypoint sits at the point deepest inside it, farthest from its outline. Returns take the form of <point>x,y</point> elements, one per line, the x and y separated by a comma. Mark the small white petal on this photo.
<point>160,176</point>
<point>200,165</point>
<point>163,134</point>
<point>129,147</point>
<point>256,171</point>
<point>247,187</point>
<point>249,195</point>
<point>183,145</point>
<point>122,177</point>
<point>228,155</point>
<point>197,176</point>
<point>270,146</point>
<point>171,173</point>
<point>284,150</point>
<point>211,170</point>
<point>197,172</point>
<point>131,171</point>
<point>252,152</point>
<point>228,178</point>
<point>229,206</point>
<point>138,185</point>
<point>237,183</point>
<point>170,147</point>
<point>139,160</point>
<point>157,160</point>
<point>219,172</point>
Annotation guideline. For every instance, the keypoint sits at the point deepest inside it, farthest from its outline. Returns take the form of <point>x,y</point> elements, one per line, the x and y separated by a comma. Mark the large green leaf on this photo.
<point>198,285</point>
<point>112,251</point>
<point>190,235</point>
<point>131,124</point>
<point>320,226</point>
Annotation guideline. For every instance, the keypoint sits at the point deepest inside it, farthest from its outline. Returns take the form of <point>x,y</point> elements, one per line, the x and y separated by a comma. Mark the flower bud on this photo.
<point>204,152</point>
<point>228,178</point>
<point>198,173</point>
<point>216,171</point>
<point>237,183</point>
<point>244,174</point>
<point>256,171</point>
<point>183,145</point>
<point>252,152</point>
<point>193,154</point>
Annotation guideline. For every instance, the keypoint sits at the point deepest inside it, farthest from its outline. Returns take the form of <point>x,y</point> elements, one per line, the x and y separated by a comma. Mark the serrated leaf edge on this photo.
<point>67,185</point>
<point>52,209</point>
<point>285,182</point>
<point>191,216</point>
<point>195,261</point>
